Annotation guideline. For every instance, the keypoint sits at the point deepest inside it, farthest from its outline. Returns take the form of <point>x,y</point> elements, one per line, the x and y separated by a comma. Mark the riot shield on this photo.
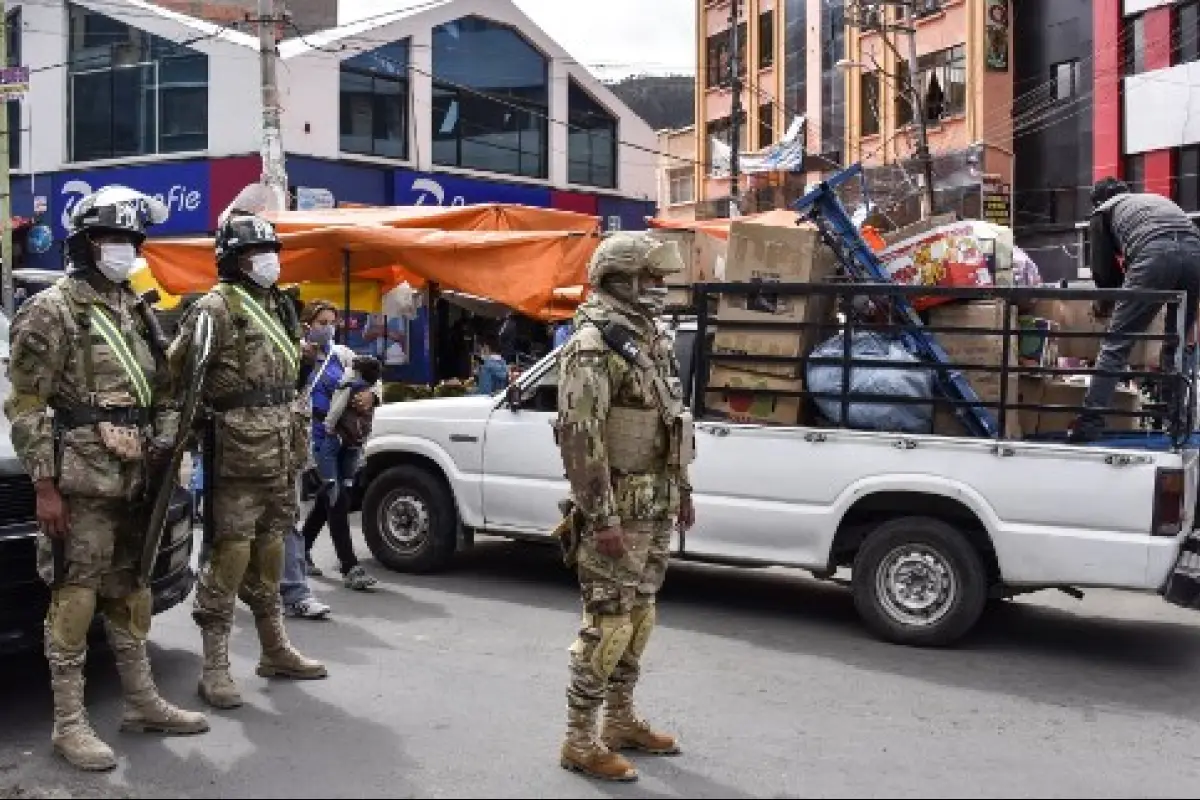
<point>198,356</point>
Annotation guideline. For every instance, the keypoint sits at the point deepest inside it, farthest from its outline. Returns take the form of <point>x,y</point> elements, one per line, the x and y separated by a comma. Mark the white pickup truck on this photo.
<point>932,527</point>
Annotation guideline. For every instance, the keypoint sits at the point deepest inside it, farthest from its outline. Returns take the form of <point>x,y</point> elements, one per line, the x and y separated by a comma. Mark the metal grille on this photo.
<point>17,501</point>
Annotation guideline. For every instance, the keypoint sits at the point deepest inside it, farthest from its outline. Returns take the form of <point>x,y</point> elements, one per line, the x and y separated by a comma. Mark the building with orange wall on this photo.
<point>788,52</point>
<point>964,87</point>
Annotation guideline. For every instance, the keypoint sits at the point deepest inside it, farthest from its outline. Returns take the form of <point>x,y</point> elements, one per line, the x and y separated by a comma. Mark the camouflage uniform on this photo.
<point>80,351</point>
<point>260,445</point>
<point>622,463</point>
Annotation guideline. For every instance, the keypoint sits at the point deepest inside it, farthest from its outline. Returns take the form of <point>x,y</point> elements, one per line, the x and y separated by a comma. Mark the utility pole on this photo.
<point>6,249</point>
<point>735,127</point>
<point>923,154</point>
<point>274,175</point>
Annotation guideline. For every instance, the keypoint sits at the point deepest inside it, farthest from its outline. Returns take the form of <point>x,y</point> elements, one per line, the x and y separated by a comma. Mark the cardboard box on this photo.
<point>1079,316</point>
<point>724,401</point>
<point>953,254</point>
<point>686,242</point>
<point>766,254</point>
<point>1054,392</point>
<point>977,349</point>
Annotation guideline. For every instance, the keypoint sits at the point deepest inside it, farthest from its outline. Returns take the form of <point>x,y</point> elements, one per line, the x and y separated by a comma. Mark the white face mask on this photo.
<point>264,269</point>
<point>116,261</point>
<point>652,299</point>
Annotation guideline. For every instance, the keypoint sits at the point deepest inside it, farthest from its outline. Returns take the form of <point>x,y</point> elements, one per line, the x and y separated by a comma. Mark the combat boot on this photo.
<point>145,710</point>
<point>73,737</point>
<point>623,729</point>
<point>582,752</point>
<point>216,684</point>
<point>279,659</point>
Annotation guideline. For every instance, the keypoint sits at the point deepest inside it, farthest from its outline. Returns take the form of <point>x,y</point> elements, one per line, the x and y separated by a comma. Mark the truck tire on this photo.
<point>409,520</point>
<point>919,581</point>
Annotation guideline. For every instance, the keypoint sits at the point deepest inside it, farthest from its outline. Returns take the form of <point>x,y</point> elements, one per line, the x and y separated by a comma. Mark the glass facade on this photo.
<point>490,99</point>
<point>132,93</point>
<point>591,141</point>
<point>374,100</point>
<point>833,86</point>
<point>795,64</point>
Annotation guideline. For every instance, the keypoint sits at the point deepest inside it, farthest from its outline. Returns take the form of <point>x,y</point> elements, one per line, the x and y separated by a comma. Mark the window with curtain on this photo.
<point>868,97</point>
<point>131,93</point>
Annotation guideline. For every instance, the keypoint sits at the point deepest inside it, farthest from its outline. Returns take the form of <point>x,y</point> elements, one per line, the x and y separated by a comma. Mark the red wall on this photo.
<point>1106,105</point>
<point>575,201</point>
<point>1158,56</point>
<point>227,177</point>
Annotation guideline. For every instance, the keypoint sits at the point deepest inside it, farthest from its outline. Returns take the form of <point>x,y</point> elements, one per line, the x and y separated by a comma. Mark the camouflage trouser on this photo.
<point>618,613</point>
<point>246,561</point>
<point>99,572</point>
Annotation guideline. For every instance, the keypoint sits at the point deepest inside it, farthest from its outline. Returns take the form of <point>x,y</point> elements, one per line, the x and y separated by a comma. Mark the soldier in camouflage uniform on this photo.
<point>90,405</point>
<point>626,442</point>
<point>260,445</point>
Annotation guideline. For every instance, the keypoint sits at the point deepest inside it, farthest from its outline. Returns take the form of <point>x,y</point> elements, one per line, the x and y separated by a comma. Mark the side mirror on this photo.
<point>512,396</point>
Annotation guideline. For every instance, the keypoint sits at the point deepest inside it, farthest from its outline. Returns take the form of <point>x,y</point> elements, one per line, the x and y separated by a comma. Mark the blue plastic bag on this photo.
<point>914,383</point>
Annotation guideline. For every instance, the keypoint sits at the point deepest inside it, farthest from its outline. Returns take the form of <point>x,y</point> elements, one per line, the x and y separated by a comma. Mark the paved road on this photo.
<point>452,685</point>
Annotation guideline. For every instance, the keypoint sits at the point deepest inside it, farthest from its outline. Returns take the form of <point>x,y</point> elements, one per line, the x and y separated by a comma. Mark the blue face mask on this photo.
<point>321,336</point>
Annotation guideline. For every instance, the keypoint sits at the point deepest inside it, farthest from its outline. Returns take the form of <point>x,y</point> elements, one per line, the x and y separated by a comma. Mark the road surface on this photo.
<point>453,685</point>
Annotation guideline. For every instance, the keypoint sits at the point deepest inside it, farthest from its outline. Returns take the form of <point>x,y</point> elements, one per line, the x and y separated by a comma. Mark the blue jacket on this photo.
<point>492,376</point>
<point>322,394</point>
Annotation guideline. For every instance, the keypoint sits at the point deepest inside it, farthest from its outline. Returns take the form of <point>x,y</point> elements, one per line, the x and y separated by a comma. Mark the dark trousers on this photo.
<point>1171,263</point>
<point>337,515</point>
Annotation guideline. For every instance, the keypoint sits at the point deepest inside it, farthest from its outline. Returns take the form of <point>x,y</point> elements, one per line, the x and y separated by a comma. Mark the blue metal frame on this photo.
<point>823,207</point>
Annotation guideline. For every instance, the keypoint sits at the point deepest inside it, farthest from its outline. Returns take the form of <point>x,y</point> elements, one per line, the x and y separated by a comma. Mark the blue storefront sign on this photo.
<point>182,185</point>
<point>438,189</point>
<point>348,183</point>
<point>618,213</point>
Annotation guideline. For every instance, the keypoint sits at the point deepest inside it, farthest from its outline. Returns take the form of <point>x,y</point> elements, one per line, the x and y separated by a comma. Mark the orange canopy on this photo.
<point>484,217</point>
<point>519,269</point>
<point>719,228</point>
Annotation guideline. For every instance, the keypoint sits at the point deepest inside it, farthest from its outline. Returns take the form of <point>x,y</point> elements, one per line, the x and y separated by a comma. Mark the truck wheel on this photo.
<point>409,520</point>
<point>919,581</point>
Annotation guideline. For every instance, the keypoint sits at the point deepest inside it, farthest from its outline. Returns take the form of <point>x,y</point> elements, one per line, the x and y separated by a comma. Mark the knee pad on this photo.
<point>643,619</point>
<point>603,653</point>
<point>228,563</point>
<point>131,613</point>
<point>72,609</point>
<point>270,561</point>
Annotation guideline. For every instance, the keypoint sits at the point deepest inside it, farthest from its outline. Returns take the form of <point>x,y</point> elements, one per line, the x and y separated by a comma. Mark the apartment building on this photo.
<point>678,173</point>
<point>787,53</point>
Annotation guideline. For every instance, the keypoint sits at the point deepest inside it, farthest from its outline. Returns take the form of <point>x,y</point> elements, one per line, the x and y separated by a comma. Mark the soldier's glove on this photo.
<point>158,455</point>
<point>611,542</point>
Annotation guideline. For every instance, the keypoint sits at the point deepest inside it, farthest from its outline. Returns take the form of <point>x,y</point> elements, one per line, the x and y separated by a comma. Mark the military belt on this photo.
<point>255,398</point>
<point>81,415</point>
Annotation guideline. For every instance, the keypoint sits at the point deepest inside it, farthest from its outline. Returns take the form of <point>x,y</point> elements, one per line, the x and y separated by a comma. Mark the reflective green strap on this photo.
<point>270,326</point>
<point>116,342</point>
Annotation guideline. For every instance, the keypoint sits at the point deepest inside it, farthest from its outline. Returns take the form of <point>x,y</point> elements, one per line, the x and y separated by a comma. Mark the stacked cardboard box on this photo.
<point>1059,392</point>
<point>977,349</point>
<point>1079,316</point>
<point>703,260</point>
<point>766,254</point>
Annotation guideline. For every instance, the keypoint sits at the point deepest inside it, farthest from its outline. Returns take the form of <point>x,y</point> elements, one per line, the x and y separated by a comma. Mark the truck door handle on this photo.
<point>463,437</point>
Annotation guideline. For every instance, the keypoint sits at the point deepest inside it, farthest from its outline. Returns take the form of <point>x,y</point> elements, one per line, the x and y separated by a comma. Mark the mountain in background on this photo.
<point>664,101</point>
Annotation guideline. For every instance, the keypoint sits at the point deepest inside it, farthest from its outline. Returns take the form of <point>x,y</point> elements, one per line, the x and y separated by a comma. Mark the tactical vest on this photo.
<point>245,311</point>
<point>93,326</point>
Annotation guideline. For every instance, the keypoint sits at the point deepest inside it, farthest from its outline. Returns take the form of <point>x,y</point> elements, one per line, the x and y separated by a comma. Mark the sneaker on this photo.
<point>308,608</point>
<point>358,579</point>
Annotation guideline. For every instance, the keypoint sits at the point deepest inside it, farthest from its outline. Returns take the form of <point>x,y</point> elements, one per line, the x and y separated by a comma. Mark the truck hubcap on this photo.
<point>916,585</point>
<point>405,522</point>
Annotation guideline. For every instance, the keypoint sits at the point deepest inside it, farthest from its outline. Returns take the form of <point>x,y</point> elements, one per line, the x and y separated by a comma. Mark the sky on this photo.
<point>613,38</point>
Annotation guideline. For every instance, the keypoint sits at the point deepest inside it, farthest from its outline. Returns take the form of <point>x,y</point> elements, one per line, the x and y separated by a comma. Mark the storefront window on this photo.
<point>490,99</point>
<point>591,141</point>
<point>374,102</point>
<point>132,93</point>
